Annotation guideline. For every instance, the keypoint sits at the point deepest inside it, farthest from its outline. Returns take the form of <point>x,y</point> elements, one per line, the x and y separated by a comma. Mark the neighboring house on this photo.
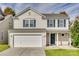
<point>1,15</point>
<point>34,29</point>
<point>5,24</point>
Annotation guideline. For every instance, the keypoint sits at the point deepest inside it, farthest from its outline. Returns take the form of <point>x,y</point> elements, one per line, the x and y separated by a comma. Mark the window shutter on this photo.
<point>54,23</point>
<point>64,23</point>
<point>58,23</point>
<point>47,23</point>
<point>23,23</point>
<point>34,23</point>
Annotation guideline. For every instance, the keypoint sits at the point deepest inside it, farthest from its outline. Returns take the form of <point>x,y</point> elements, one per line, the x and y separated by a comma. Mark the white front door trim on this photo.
<point>50,38</point>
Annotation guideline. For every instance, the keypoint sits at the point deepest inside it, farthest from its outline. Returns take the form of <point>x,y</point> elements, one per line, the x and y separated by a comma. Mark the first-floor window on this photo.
<point>2,35</point>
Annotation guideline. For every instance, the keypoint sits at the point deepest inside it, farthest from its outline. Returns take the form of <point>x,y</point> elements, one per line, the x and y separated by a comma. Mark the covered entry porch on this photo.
<point>58,39</point>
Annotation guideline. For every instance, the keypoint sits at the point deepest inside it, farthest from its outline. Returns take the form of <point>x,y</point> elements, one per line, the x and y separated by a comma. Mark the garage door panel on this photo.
<point>27,41</point>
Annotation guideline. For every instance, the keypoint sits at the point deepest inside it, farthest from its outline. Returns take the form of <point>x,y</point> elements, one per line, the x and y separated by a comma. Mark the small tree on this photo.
<point>74,33</point>
<point>8,11</point>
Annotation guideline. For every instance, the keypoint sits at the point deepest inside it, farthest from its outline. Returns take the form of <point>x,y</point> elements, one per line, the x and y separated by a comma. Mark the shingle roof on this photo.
<point>61,15</point>
<point>56,16</point>
<point>27,30</point>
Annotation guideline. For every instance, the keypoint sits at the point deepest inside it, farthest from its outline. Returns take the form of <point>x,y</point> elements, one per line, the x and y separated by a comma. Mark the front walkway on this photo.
<point>23,52</point>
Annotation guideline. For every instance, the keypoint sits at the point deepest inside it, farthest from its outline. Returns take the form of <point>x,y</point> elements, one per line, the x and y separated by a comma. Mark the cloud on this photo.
<point>2,6</point>
<point>71,8</point>
<point>20,6</point>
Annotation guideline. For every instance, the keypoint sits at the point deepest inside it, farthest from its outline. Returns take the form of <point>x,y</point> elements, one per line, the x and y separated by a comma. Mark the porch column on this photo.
<point>57,39</point>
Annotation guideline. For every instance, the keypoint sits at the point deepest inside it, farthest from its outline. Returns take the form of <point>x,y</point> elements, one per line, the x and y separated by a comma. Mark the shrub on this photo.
<point>75,34</point>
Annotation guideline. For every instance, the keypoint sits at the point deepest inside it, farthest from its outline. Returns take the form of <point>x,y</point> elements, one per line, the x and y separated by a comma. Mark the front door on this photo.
<point>52,39</point>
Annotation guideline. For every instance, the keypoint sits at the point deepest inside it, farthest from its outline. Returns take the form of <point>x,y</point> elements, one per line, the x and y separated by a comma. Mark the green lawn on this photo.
<point>61,52</point>
<point>3,47</point>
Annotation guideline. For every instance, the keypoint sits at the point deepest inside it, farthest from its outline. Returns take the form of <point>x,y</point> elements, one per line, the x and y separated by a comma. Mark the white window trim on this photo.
<point>29,22</point>
<point>54,25</point>
<point>63,23</point>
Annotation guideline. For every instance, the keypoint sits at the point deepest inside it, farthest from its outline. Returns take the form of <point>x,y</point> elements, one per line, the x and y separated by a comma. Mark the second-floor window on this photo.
<point>29,23</point>
<point>25,23</point>
<point>50,23</point>
<point>61,23</point>
<point>32,23</point>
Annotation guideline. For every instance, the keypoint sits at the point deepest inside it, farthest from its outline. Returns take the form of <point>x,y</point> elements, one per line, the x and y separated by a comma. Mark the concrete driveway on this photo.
<point>23,52</point>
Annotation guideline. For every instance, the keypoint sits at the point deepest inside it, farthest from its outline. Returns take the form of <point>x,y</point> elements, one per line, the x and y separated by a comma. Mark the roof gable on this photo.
<point>27,9</point>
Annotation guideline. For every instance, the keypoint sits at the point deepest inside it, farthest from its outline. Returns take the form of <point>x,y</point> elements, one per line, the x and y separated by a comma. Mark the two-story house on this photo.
<point>34,29</point>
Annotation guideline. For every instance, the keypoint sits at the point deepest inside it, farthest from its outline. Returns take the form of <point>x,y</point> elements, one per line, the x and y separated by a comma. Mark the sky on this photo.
<point>72,9</point>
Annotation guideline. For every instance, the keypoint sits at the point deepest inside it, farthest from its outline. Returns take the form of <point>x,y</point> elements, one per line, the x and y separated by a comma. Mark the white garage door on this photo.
<point>27,41</point>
